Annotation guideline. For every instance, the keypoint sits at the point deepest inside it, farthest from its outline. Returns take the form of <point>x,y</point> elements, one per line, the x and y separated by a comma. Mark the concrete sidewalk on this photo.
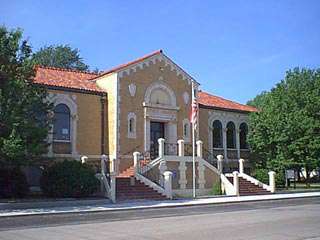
<point>105,205</point>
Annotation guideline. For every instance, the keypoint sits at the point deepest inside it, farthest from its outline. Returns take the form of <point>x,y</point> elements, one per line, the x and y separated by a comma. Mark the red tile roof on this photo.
<point>59,77</point>
<point>130,63</point>
<point>209,100</point>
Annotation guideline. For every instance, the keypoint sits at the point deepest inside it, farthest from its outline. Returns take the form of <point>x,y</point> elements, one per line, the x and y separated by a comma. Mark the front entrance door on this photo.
<point>156,132</point>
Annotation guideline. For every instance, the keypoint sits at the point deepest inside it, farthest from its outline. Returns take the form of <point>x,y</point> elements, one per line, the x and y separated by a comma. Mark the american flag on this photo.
<point>194,108</point>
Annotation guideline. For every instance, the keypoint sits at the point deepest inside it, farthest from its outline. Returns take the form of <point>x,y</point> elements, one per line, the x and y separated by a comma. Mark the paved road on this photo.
<point>282,219</point>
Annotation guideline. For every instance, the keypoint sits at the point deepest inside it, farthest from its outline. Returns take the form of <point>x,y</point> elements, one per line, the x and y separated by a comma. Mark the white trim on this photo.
<point>160,85</point>
<point>132,68</point>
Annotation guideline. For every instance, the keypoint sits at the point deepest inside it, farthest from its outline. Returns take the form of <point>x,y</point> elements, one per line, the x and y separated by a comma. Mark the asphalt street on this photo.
<point>280,219</point>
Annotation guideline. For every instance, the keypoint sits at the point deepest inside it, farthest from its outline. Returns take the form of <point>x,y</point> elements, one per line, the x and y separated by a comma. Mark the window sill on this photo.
<point>218,148</point>
<point>62,141</point>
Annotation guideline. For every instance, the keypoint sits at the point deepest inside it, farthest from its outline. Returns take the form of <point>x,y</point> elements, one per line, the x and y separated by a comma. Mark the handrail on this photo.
<point>149,183</point>
<point>102,177</point>
<point>228,186</point>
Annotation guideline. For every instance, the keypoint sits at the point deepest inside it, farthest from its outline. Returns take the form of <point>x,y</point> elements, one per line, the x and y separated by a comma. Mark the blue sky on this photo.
<point>235,49</point>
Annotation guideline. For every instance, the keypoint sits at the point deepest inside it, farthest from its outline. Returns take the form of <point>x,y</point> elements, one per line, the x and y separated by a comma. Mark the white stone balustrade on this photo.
<point>161,147</point>
<point>220,163</point>
<point>168,184</point>
<point>241,166</point>
<point>181,148</point>
<point>103,163</point>
<point>272,181</point>
<point>236,182</point>
<point>84,159</point>
<point>199,148</point>
<point>136,156</point>
<point>162,169</point>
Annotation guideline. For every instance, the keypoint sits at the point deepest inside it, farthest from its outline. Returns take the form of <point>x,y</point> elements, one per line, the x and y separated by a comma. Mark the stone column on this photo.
<point>238,142</point>
<point>162,169</point>
<point>180,147</point>
<point>113,174</point>
<point>183,177</point>
<point>236,182</point>
<point>241,166</point>
<point>104,164</point>
<point>136,156</point>
<point>168,184</point>
<point>272,181</point>
<point>161,147</point>
<point>84,159</point>
<point>199,148</point>
<point>201,178</point>
<point>224,137</point>
<point>220,163</point>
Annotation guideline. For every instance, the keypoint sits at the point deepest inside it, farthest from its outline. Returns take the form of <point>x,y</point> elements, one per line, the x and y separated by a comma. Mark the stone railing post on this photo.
<point>241,166</point>
<point>220,163</point>
<point>113,174</point>
<point>161,147</point>
<point>183,178</point>
<point>199,148</point>
<point>168,184</point>
<point>180,147</point>
<point>162,169</point>
<point>236,182</point>
<point>104,160</point>
<point>272,181</point>
<point>84,159</point>
<point>136,156</point>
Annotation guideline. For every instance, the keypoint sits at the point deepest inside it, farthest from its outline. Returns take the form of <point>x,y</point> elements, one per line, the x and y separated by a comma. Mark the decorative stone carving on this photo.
<point>132,89</point>
<point>186,97</point>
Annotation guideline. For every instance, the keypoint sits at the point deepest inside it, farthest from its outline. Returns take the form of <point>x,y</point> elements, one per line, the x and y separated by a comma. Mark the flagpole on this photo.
<point>193,163</point>
<point>193,150</point>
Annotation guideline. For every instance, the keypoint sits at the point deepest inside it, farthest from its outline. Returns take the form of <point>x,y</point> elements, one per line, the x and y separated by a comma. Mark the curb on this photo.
<point>158,205</point>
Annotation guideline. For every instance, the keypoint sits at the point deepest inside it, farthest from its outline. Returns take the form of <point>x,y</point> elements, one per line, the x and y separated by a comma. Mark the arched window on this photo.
<point>243,136</point>
<point>217,134</point>
<point>231,135</point>
<point>61,123</point>
<point>131,125</point>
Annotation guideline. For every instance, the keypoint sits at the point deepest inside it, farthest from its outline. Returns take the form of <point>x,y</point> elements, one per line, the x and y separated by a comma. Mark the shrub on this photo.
<point>13,183</point>
<point>262,175</point>
<point>216,189</point>
<point>69,179</point>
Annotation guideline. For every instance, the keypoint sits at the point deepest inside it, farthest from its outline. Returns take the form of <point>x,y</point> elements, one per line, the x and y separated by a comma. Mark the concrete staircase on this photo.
<point>247,188</point>
<point>129,188</point>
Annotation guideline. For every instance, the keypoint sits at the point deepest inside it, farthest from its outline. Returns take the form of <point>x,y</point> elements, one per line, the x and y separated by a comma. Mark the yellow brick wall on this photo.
<point>89,121</point>
<point>109,83</point>
<point>143,78</point>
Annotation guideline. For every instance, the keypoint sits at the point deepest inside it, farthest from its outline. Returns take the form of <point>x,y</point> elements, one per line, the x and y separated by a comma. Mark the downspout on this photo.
<point>103,107</point>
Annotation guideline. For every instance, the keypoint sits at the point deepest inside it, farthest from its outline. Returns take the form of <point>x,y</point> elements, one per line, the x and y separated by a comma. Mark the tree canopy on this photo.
<point>60,56</point>
<point>285,133</point>
<point>24,122</point>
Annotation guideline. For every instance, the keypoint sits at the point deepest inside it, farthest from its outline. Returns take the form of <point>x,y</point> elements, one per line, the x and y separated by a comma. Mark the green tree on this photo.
<point>60,56</point>
<point>24,122</point>
<point>285,133</point>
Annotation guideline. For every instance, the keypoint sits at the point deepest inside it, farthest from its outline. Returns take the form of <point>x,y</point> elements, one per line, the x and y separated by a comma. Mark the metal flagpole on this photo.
<point>193,146</point>
<point>193,163</point>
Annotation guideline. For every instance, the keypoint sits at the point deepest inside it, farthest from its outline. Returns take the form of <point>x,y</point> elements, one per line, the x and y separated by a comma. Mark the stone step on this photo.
<point>249,188</point>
